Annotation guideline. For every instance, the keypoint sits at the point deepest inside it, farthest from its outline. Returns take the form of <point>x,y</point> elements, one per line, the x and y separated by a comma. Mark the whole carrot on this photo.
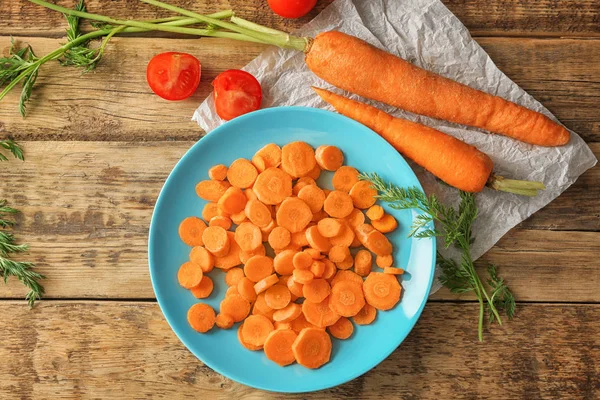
<point>453,161</point>
<point>358,67</point>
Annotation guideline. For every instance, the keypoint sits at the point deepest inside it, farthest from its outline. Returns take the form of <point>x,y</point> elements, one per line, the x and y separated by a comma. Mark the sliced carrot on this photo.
<point>363,262</point>
<point>189,275</point>
<point>223,222</point>
<point>216,241</point>
<point>315,173</point>
<point>245,255</point>
<point>330,269</point>
<point>283,262</point>
<point>259,163</point>
<point>288,313</point>
<point>375,212</point>
<point>297,159</point>
<point>382,291</point>
<point>211,190</point>
<point>385,224</point>
<point>320,314</point>
<point>256,329</point>
<point>279,237</point>
<point>373,240</point>
<point>248,236</point>
<point>318,216</point>
<point>233,276</point>
<point>363,194</point>
<point>218,172</point>
<point>301,183</point>
<point>346,264</point>
<point>391,271</point>
<point>366,315</point>
<point>239,217</point>
<point>191,230</point>
<point>279,325</point>
<point>347,298</point>
<point>299,238</point>
<point>201,317</point>
<point>250,195</point>
<point>329,227</point>
<point>232,258</point>
<point>338,204</point>
<point>312,348</point>
<point>242,173</point>
<point>293,214</point>
<point>266,283</point>
<point>300,323</point>
<point>295,287</point>
<point>384,261</point>
<point>355,218</point>
<point>245,288</point>
<point>346,276</point>
<point>233,201</point>
<point>261,305</point>
<point>258,267</point>
<point>355,243</point>
<point>224,321</point>
<point>283,279</point>
<point>231,290</point>
<point>258,213</point>
<point>344,178</point>
<point>272,186</point>
<point>303,276</point>
<point>330,158</point>
<point>222,213</point>
<point>302,260</point>
<point>317,268</point>
<point>199,255</point>
<point>243,343</point>
<point>313,196</point>
<point>316,240</point>
<point>271,154</point>
<point>316,290</point>
<point>209,211</point>
<point>314,253</point>
<point>278,346</point>
<point>268,229</point>
<point>278,296</point>
<point>290,246</point>
<point>203,289</point>
<point>339,253</point>
<point>235,306</point>
<point>342,329</point>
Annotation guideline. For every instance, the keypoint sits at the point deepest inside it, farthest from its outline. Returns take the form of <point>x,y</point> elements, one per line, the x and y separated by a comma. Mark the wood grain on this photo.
<point>491,18</point>
<point>73,350</point>
<point>115,103</point>
<point>87,207</point>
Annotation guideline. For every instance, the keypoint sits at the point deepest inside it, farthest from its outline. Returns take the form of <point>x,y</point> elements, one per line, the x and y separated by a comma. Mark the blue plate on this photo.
<point>242,137</point>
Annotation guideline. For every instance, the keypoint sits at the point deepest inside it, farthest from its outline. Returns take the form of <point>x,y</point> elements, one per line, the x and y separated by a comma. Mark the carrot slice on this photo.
<point>191,230</point>
<point>338,204</point>
<point>342,329</point>
<point>261,305</point>
<point>283,262</point>
<point>355,218</point>
<point>374,240</point>
<point>338,254</point>
<point>320,314</point>
<point>243,343</point>
<point>258,213</point>
<point>303,182</point>
<point>316,290</point>
<point>346,264</point>
<point>315,173</point>
<point>233,201</point>
<point>233,276</point>
<point>271,154</point>
<point>303,276</point>
<point>224,321</point>
<point>391,271</point>
<point>295,287</point>
<point>293,214</point>
<point>199,255</point>
<point>363,262</point>
<point>345,237</point>
<point>300,323</point>
<point>297,159</point>
<point>278,346</point>
<point>314,253</point>
<point>346,276</point>
<point>288,313</point>
<point>238,218</point>
<point>223,222</point>
<point>245,288</point>
<point>382,291</point>
<point>384,261</point>
<point>250,195</point>
<point>279,237</point>
<point>272,186</point>
<point>330,269</point>
<point>330,158</point>
<point>312,348</point>
<point>248,236</point>
<point>317,268</point>
<point>278,296</point>
<point>355,243</point>
<point>366,315</point>
<point>344,178</point>
<point>209,211</point>
<point>258,267</point>
<point>375,212</point>
<point>211,190</point>
<point>385,224</point>
<point>201,317</point>
<point>347,298</point>
<point>232,258</point>
<point>302,260</point>
<point>216,241</point>
<point>319,216</point>
<point>299,238</point>
<point>189,275</point>
<point>256,329</point>
<point>235,306</point>
<point>259,163</point>
<point>218,172</point>
<point>329,227</point>
<point>203,289</point>
<point>266,283</point>
<point>242,173</point>
<point>222,213</point>
<point>279,325</point>
<point>231,290</point>
<point>316,240</point>
<point>313,196</point>
<point>363,194</point>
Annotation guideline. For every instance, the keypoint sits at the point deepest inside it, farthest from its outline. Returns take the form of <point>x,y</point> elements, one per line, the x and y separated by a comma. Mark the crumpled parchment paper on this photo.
<point>427,34</point>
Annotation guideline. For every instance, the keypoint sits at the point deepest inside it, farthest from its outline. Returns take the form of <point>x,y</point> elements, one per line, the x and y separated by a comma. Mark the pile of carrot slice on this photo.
<point>291,303</point>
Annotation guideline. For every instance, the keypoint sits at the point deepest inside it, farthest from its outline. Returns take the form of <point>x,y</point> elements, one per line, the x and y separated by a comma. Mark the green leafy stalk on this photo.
<point>455,226</point>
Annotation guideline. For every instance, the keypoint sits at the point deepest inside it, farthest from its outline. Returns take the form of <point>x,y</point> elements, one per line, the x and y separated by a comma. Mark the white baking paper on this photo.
<point>427,34</point>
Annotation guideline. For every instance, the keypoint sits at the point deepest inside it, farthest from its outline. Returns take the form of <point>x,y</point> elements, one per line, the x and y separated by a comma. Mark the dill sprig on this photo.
<point>455,226</point>
<point>22,65</point>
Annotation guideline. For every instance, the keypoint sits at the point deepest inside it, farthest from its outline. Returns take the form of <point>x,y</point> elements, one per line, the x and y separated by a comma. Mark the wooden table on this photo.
<point>99,147</point>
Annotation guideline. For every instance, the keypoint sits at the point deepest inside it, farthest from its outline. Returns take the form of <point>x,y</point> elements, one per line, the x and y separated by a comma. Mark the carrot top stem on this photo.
<point>525,188</point>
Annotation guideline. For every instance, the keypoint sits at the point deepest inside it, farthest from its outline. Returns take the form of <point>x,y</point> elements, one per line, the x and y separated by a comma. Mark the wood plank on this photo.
<point>483,18</point>
<point>87,207</point>
<point>115,103</point>
<point>73,350</point>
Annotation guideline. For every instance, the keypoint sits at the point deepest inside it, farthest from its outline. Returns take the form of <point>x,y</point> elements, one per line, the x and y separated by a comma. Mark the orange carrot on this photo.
<point>232,201</point>
<point>258,213</point>
<point>317,268</point>
<point>224,321</point>
<point>339,253</point>
<point>272,186</point>
<point>248,236</point>
<point>218,172</point>
<point>314,253</point>
<point>382,291</point>
<point>258,267</point>
<point>242,173</point>
<point>315,173</point>
<point>261,305</point>
<point>245,255</point>
<point>355,218</point>
<point>366,315</point>
<point>303,276</point>
<point>190,231</point>
<point>299,238</point>
<point>231,290</point>
<point>363,194</point>
<point>313,196</point>
<point>283,262</point>
<point>209,211</point>
<point>363,262</point>
<point>223,222</point>
<point>342,329</point>
<point>245,288</point>
<point>232,258</point>
<point>278,297</point>
<point>249,193</point>
<point>312,348</point>
<point>316,240</point>
<point>329,270</point>
<point>347,298</point>
<point>216,241</point>
<point>279,325</point>
<point>384,261</point>
<point>318,216</point>
<point>278,346</point>
<point>293,214</point>
<point>338,204</point>
<point>302,260</point>
<point>375,212</point>
<point>235,306</point>
<point>345,177</point>
<point>391,271</point>
<point>295,288</point>
<point>345,237</point>
<point>243,343</point>
<point>330,158</point>
<point>345,275</point>
<point>385,224</point>
<point>189,275</point>
<point>301,183</point>
<point>316,290</point>
<point>297,159</point>
<point>373,240</point>
<point>279,237</point>
<point>288,313</point>
<point>239,217</point>
<point>211,190</point>
<point>320,314</point>
<point>201,317</point>
<point>203,289</point>
<point>233,276</point>
<point>271,154</point>
<point>199,255</point>
<point>256,329</point>
<point>266,283</point>
<point>355,243</point>
<point>259,163</point>
<point>300,323</point>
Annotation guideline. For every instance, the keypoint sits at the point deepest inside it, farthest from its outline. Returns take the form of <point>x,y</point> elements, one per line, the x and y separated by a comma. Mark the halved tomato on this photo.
<point>173,76</point>
<point>236,92</point>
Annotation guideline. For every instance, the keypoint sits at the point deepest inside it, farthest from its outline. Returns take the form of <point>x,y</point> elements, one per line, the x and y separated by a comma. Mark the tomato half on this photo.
<point>236,92</point>
<point>292,8</point>
<point>173,76</point>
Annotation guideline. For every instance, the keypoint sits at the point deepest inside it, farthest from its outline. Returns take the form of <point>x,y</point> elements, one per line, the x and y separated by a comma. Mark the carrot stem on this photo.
<point>525,188</point>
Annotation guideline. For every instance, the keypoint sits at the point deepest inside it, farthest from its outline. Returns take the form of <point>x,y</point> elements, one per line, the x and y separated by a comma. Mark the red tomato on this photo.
<point>236,93</point>
<point>292,8</point>
<point>173,76</point>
